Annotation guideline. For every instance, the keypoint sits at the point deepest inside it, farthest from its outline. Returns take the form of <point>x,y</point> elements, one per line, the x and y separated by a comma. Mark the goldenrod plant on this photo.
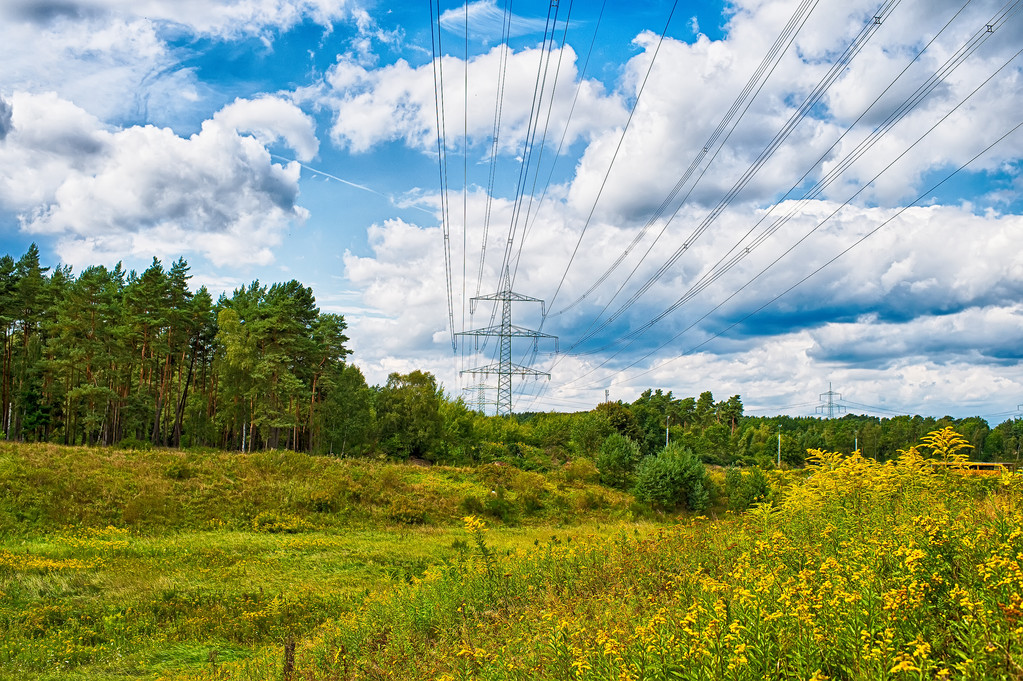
<point>864,570</point>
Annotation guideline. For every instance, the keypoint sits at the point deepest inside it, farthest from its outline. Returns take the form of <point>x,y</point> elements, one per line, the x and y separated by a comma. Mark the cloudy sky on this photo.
<point>762,197</point>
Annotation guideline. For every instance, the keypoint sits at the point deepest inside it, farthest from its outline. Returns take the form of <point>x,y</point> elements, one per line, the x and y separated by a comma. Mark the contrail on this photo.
<point>333,177</point>
<point>349,183</point>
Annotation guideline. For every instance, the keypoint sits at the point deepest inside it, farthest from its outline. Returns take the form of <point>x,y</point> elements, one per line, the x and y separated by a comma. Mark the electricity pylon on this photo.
<point>830,407</point>
<point>504,368</point>
<point>478,395</point>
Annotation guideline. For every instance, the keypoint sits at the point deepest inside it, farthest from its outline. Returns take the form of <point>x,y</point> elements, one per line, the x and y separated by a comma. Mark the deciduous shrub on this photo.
<point>580,469</point>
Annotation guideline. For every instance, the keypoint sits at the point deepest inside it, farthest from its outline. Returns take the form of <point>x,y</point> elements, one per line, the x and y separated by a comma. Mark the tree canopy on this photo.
<point>112,356</point>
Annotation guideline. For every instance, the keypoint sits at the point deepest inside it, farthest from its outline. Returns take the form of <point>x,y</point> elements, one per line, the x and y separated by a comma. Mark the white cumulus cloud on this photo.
<point>397,102</point>
<point>223,18</point>
<point>107,193</point>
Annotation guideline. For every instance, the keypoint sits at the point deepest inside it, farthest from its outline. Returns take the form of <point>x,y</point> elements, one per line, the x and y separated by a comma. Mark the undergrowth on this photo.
<point>862,571</point>
<point>49,487</point>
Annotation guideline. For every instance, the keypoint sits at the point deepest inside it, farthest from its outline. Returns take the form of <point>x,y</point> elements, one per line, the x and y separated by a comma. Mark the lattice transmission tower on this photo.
<point>504,368</point>
<point>477,396</point>
<point>829,407</point>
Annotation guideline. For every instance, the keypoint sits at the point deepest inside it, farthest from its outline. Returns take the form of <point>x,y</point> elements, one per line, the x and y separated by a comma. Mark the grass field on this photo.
<point>859,570</point>
<point>106,603</point>
<point>862,571</point>
<point>144,564</point>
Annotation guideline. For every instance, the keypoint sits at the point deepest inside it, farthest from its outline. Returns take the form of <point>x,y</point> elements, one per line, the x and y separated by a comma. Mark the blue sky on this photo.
<point>773,196</point>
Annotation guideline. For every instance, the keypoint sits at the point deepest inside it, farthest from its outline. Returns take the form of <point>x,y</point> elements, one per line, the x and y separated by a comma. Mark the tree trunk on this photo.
<point>155,435</point>
<point>184,398</point>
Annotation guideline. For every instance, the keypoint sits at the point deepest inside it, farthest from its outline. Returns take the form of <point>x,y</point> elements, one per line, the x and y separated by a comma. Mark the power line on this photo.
<point>871,407</point>
<point>907,106</point>
<point>528,141</point>
<point>797,116</point>
<point>568,120</point>
<point>530,137</point>
<point>465,166</point>
<point>442,161</point>
<point>703,284</point>
<point>614,156</point>
<point>503,363</point>
<point>859,241</point>
<point>723,265</point>
<point>539,160</point>
<point>745,99</point>
<point>753,87</point>
<point>498,111</point>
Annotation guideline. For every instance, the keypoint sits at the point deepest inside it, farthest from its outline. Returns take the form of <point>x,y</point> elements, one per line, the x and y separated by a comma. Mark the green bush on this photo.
<point>529,458</point>
<point>498,506</point>
<point>135,445</point>
<point>617,461</point>
<point>531,502</point>
<point>472,505</point>
<point>674,478</point>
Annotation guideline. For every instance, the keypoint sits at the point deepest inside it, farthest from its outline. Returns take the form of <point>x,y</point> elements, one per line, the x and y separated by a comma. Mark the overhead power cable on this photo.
<point>504,367</point>
<point>442,161</point>
<point>498,110</point>
<point>854,48</point>
<point>821,223</point>
<point>614,157</point>
<point>723,266</point>
<point>718,137</point>
<point>532,353</point>
<point>871,407</point>
<point>568,120</point>
<point>465,167</point>
<point>809,276</point>
<point>725,263</point>
<point>1001,414</point>
<point>530,137</point>
<point>528,142</point>
<point>539,160</point>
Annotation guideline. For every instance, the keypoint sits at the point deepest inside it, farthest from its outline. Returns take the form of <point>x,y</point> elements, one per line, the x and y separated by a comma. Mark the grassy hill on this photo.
<point>278,565</point>
<point>48,487</point>
<point>863,571</point>
<point>121,563</point>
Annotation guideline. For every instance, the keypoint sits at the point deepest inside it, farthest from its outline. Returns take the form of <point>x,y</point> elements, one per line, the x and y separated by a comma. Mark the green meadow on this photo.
<point>214,566</point>
<point>119,564</point>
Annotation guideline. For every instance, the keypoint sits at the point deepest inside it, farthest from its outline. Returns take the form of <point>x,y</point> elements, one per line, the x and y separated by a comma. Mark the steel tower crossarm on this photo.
<point>505,332</point>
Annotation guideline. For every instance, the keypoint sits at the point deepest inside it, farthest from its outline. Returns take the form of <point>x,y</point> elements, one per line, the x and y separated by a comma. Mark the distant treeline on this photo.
<point>110,356</point>
<point>138,359</point>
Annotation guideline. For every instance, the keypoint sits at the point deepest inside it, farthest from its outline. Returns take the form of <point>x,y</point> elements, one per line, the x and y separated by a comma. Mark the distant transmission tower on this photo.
<point>830,407</point>
<point>504,369</point>
<point>478,395</point>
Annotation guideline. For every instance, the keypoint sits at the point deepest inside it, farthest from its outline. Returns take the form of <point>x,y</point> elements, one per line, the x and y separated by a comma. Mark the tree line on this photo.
<point>112,356</point>
<point>139,359</point>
